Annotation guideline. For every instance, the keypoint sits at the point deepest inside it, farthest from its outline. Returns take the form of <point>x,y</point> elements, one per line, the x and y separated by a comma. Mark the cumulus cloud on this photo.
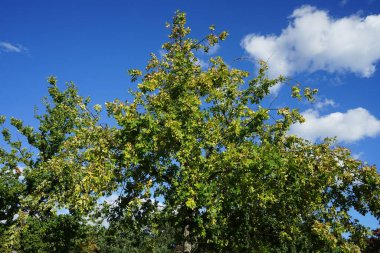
<point>214,49</point>
<point>357,155</point>
<point>350,126</point>
<point>11,48</point>
<point>202,63</point>
<point>342,3</point>
<point>320,104</point>
<point>316,41</point>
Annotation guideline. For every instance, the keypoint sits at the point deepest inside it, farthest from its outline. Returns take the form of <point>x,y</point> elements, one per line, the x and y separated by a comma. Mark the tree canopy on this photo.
<point>198,162</point>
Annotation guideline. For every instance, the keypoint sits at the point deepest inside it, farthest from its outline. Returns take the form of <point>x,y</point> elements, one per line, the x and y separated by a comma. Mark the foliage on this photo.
<point>36,175</point>
<point>373,243</point>
<point>62,233</point>
<point>224,164</point>
<point>120,236</point>
<point>200,163</point>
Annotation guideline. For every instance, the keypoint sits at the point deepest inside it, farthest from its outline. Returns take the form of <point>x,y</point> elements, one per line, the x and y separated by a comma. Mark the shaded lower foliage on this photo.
<point>373,242</point>
<point>61,233</point>
<point>122,239</point>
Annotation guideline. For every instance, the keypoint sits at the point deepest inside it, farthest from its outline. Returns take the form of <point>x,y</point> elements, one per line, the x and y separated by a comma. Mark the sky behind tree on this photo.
<point>329,45</point>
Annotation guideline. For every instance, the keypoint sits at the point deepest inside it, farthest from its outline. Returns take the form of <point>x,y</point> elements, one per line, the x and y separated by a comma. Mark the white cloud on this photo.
<point>357,155</point>
<point>213,49</point>
<point>11,48</point>
<point>110,199</point>
<point>324,103</point>
<point>203,64</point>
<point>342,3</point>
<point>315,41</point>
<point>351,126</point>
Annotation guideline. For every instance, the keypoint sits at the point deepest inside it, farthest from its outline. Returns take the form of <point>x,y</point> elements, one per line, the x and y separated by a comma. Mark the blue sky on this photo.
<point>329,45</point>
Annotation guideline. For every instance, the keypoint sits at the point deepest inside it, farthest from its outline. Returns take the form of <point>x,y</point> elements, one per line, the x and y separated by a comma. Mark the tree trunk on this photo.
<point>186,241</point>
